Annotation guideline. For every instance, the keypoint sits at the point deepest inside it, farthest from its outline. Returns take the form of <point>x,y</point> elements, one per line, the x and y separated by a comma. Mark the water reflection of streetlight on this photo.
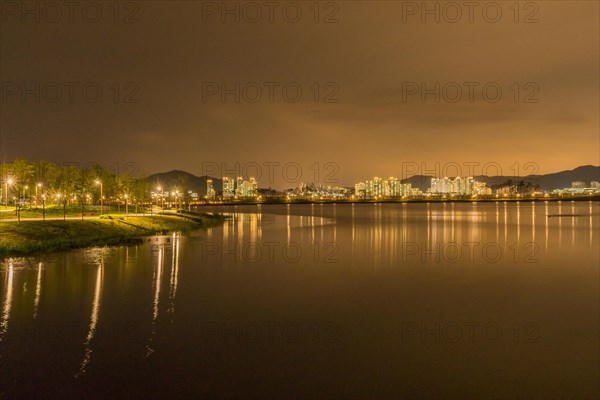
<point>7,301</point>
<point>93,317</point>
<point>38,289</point>
<point>174,273</point>
<point>157,283</point>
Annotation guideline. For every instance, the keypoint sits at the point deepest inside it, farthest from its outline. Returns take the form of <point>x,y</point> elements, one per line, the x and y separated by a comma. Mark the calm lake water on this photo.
<point>476,300</point>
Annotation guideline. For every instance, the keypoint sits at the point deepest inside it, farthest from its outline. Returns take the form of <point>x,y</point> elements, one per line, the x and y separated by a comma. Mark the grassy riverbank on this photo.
<point>30,237</point>
<point>55,212</point>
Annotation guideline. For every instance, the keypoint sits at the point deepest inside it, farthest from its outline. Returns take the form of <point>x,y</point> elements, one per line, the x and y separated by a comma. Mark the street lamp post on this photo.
<point>6,184</point>
<point>162,197</point>
<point>18,207</point>
<point>44,207</point>
<point>58,196</point>
<point>82,202</point>
<point>39,185</point>
<point>126,205</point>
<point>99,182</point>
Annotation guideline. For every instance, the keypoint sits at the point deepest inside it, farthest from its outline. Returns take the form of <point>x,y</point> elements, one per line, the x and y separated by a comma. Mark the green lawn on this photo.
<point>57,211</point>
<point>37,236</point>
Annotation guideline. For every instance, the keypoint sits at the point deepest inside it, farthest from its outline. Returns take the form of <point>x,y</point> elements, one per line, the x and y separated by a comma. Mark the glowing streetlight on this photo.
<point>126,205</point>
<point>8,183</point>
<point>162,196</point>
<point>58,196</point>
<point>99,182</point>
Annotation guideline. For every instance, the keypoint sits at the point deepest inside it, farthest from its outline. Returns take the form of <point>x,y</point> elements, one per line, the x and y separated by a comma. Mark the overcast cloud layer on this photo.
<point>365,120</point>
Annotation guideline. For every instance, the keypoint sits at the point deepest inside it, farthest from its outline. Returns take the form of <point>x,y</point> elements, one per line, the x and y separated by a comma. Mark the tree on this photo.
<point>183,181</point>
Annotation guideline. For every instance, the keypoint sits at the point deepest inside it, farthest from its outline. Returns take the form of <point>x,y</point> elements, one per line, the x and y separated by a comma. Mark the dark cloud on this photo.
<point>170,52</point>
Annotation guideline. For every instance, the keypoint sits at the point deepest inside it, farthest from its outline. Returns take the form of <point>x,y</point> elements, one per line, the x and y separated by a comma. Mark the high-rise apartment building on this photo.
<point>228,188</point>
<point>210,191</point>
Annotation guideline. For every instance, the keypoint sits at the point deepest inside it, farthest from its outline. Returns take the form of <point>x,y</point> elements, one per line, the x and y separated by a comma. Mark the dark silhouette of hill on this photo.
<point>179,179</point>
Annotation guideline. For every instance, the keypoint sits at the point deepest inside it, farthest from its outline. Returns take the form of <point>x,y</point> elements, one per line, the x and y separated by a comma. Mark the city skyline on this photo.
<point>268,183</point>
<point>35,173</point>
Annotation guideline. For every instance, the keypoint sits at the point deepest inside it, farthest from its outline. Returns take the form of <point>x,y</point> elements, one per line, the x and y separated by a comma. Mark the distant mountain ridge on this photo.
<point>557,180</point>
<point>181,179</point>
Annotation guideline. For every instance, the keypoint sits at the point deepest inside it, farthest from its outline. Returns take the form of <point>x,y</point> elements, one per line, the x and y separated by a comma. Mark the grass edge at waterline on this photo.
<point>30,237</point>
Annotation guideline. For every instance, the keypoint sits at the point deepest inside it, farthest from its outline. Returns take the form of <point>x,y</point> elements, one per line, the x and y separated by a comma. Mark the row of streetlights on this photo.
<point>10,182</point>
<point>175,194</point>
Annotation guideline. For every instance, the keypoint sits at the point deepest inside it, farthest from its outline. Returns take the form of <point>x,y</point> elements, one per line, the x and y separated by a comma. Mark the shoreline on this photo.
<point>401,201</point>
<point>35,236</point>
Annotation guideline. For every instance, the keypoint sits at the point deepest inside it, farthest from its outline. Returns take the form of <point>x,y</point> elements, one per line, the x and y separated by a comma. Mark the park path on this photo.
<point>76,218</point>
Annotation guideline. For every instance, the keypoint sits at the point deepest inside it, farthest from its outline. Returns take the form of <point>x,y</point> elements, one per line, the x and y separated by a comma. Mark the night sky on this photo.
<point>160,65</point>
